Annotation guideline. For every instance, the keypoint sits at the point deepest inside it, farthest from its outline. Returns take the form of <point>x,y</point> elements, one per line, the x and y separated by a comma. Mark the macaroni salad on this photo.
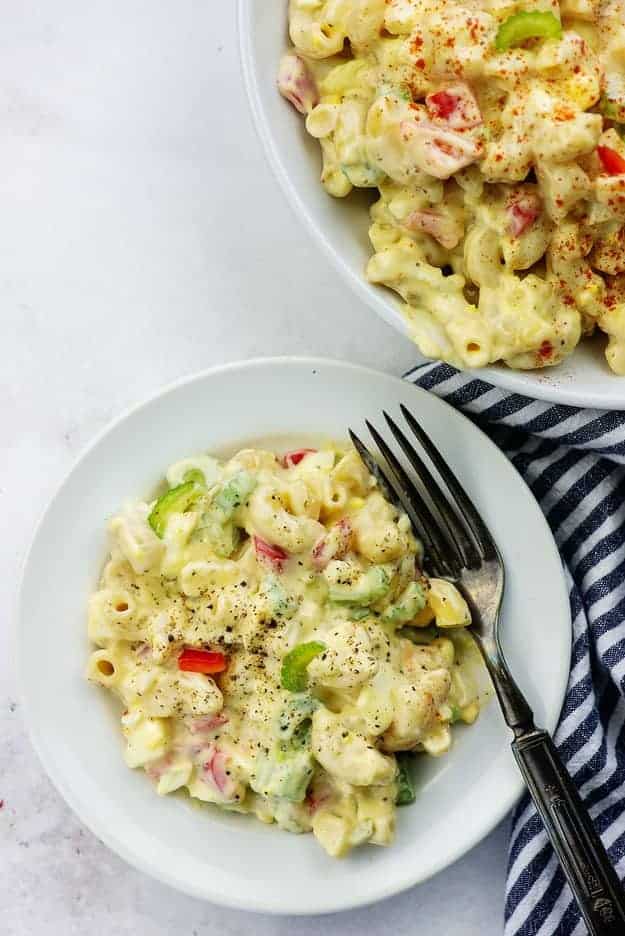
<point>276,645</point>
<point>493,132</point>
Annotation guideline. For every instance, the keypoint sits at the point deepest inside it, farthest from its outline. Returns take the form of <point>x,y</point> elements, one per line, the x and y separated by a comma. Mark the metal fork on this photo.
<point>459,547</point>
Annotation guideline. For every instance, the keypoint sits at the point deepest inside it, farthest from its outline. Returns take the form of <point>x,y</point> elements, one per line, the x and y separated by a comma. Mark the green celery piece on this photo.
<point>296,713</point>
<point>226,540</point>
<point>216,525</point>
<point>293,673</point>
<point>608,108</point>
<point>362,175</point>
<point>234,493</point>
<point>287,770</point>
<point>528,24</point>
<point>194,474</point>
<point>420,635</point>
<point>389,90</point>
<point>370,587</point>
<point>300,739</point>
<point>222,535</point>
<point>410,603</point>
<point>613,111</point>
<point>282,603</point>
<point>177,500</point>
<point>284,773</point>
<point>406,790</point>
<point>456,714</point>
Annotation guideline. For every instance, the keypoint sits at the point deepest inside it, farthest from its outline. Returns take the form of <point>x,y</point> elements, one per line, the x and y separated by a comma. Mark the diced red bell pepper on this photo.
<point>455,105</point>
<point>442,103</point>
<point>522,212</point>
<point>333,546</point>
<point>269,552</point>
<point>612,162</point>
<point>202,661</point>
<point>290,459</point>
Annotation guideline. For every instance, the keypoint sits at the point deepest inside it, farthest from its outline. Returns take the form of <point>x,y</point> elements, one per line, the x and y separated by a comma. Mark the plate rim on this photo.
<point>108,836</point>
<point>515,381</point>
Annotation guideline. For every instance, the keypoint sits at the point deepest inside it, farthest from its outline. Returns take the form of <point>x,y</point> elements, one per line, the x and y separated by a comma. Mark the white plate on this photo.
<point>340,225</point>
<point>235,860</point>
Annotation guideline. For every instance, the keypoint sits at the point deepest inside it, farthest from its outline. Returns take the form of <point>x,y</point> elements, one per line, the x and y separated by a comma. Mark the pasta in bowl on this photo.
<point>491,135</point>
<point>212,853</point>
<point>276,645</point>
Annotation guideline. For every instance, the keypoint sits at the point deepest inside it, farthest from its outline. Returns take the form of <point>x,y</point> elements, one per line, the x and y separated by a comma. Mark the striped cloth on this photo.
<point>573,461</point>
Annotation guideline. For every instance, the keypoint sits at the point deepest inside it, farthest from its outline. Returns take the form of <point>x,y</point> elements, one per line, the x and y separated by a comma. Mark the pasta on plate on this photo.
<point>493,133</point>
<point>276,646</point>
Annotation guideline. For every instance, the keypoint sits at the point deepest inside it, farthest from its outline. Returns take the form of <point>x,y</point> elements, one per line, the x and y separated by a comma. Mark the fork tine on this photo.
<point>453,526</point>
<point>373,468</point>
<point>388,492</point>
<point>442,551</point>
<point>476,525</point>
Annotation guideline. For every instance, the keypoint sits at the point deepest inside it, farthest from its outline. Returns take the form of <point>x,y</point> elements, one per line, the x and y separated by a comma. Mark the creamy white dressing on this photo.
<point>481,155</point>
<point>266,557</point>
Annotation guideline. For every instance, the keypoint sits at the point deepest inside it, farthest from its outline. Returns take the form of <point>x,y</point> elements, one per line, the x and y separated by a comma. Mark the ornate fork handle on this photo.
<point>583,858</point>
<point>461,549</point>
<point>584,861</point>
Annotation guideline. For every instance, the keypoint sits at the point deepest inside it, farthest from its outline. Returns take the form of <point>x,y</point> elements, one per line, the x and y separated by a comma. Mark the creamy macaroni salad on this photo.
<point>276,645</point>
<point>493,132</point>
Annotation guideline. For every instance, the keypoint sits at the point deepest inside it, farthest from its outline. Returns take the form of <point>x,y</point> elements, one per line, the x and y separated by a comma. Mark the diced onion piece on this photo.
<point>269,552</point>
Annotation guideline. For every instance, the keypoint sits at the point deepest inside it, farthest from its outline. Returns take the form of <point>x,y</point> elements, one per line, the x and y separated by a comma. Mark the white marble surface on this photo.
<point>142,237</point>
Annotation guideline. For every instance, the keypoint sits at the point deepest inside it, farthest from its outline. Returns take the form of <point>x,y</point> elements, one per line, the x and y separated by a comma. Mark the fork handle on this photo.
<point>584,860</point>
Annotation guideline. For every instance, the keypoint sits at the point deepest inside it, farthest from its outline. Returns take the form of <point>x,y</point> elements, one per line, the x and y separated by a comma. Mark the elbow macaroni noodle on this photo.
<point>497,219</point>
<point>251,563</point>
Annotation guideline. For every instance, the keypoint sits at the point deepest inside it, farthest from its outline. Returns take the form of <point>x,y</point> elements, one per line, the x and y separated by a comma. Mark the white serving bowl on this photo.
<point>230,859</point>
<point>340,225</point>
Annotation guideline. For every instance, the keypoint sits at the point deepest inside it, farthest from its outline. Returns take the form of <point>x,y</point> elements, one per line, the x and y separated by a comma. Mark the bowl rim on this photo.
<point>541,387</point>
<point>108,835</point>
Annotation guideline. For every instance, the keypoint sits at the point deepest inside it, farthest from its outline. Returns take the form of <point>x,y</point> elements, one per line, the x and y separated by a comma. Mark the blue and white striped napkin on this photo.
<point>573,460</point>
